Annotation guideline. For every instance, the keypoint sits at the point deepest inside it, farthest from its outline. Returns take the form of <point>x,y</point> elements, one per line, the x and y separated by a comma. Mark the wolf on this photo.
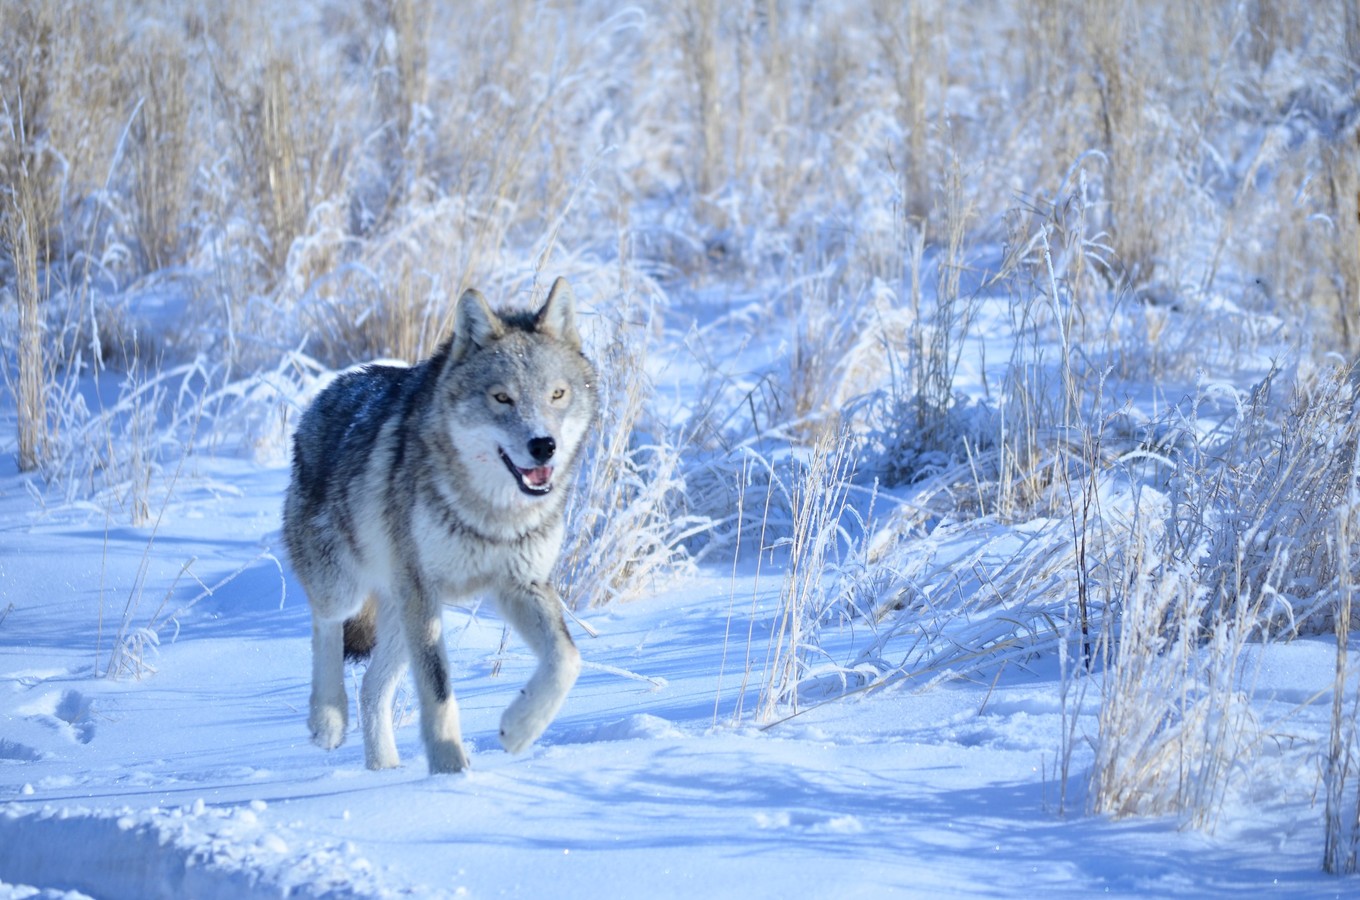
<point>413,487</point>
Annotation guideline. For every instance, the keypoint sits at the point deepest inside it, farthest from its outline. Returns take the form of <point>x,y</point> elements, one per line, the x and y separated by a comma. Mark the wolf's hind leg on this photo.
<point>329,716</point>
<point>385,669</point>
<point>439,724</point>
<point>536,614</point>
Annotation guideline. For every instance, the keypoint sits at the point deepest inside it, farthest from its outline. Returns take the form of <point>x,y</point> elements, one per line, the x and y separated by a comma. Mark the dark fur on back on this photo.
<point>338,433</point>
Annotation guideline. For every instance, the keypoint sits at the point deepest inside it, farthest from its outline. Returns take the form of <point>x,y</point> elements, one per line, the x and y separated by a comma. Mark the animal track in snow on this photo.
<point>74,710</point>
<point>70,713</point>
<point>15,751</point>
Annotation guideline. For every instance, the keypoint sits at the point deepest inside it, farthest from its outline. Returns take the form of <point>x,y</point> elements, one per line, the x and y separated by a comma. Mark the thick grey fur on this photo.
<point>413,487</point>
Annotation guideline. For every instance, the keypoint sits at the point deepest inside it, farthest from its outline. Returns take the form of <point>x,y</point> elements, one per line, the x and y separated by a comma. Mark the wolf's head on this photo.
<point>519,396</point>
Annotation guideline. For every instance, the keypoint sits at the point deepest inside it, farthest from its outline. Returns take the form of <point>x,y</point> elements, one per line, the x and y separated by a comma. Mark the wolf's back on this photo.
<point>339,431</point>
<point>335,443</point>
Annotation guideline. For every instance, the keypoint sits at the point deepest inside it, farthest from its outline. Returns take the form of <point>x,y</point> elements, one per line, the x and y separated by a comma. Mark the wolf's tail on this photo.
<point>361,631</point>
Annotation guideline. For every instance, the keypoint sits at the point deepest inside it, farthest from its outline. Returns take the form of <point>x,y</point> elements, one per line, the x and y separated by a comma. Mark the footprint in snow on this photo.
<point>17,752</point>
<point>69,713</point>
<point>74,710</point>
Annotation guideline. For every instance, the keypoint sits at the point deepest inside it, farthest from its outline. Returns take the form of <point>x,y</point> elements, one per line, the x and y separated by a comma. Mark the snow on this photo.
<point>197,778</point>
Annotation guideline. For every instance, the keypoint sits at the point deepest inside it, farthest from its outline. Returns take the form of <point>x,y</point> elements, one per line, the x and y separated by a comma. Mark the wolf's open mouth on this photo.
<point>534,482</point>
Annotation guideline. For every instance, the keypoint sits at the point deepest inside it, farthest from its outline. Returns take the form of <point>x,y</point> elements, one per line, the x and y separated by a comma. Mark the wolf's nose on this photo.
<point>542,449</point>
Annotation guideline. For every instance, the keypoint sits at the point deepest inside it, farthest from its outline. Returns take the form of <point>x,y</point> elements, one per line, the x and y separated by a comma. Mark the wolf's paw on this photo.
<point>446,757</point>
<point>380,760</point>
<point>522,723</point>
<point>328,724</point>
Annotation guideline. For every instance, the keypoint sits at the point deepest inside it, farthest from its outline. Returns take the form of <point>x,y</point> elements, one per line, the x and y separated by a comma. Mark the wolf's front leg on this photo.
<point>536,614</point>
<point>329,715</point>
<point>439,726</point>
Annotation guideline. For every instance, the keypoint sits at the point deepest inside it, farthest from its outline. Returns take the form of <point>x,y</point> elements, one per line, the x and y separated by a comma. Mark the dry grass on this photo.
<point>28,220</point>
<point>1267,501</point>
<point>1340,287</point>
<point>908,35</point>
<point>819,503</point>
<point>1250,554</point>
<point>1341,780</point>
<point>403,160</point>
<point>160,153</point>
<point>22,228</point>
<point>627,534</point>
<point>1175,726</point>
<point>698,24</point>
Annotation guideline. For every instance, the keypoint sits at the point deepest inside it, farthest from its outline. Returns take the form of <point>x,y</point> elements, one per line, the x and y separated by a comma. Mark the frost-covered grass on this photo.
<point>992,332</point>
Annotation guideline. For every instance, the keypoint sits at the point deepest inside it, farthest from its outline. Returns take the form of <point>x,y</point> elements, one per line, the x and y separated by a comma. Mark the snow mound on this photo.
<point>196,851</point>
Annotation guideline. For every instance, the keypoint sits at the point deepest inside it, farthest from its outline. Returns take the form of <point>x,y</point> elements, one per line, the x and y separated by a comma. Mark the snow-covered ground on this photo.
<point>197,779</point>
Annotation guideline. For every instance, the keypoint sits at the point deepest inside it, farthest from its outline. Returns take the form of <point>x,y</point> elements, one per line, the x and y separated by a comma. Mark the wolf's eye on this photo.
<point>502,397</point>
<point>559,394</point>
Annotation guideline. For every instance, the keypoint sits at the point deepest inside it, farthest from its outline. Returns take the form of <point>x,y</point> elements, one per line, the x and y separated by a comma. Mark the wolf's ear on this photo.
<point>475,325</point>
<point>557,318</point>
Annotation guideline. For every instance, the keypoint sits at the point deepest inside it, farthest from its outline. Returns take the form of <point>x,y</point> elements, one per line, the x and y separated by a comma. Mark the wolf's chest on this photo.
<point>461,558</point>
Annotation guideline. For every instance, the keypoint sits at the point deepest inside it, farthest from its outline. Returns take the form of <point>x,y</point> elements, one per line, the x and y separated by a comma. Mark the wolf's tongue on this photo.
<point>537,477</point>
